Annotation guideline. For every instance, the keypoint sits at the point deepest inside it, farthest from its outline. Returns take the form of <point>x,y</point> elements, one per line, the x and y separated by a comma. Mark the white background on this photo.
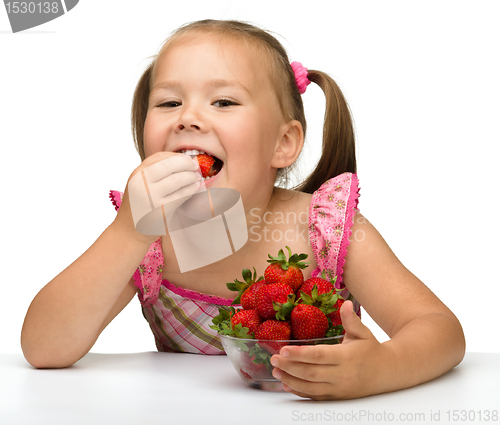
<point>422,82</point>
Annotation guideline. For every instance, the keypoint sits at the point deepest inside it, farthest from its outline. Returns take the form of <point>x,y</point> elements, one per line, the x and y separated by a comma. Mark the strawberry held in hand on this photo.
<point>206,162</point>
<point>286,271</point>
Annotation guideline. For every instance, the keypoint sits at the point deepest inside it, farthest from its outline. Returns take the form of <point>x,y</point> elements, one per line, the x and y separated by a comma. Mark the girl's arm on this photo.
<point>426,341</point>
<point>68,314</point>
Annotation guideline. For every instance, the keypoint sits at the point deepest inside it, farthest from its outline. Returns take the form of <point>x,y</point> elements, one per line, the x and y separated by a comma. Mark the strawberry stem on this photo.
<point>293,260</point>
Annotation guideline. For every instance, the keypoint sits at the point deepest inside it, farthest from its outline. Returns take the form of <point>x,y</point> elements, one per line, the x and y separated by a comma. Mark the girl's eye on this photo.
<point>170,104</point>
<point>224,103</point>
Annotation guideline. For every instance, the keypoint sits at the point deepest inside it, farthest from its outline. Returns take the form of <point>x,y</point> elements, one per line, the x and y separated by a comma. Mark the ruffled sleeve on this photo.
<point>149,275</point>
<point>333,207</point>
<point>116,198</point>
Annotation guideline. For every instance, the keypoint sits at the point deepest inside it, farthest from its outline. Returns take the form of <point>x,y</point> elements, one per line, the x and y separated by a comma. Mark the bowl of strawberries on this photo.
<point>276,310</point>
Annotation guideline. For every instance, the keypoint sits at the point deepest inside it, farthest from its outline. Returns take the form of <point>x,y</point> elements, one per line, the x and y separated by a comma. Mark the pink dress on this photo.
<point>180,318</point>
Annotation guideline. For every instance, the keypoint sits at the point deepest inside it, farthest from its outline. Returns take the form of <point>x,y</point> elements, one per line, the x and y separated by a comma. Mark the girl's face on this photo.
<point>214,96</point>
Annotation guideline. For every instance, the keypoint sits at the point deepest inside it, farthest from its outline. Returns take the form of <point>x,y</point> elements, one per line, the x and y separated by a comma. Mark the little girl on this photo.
<point>228,89</point>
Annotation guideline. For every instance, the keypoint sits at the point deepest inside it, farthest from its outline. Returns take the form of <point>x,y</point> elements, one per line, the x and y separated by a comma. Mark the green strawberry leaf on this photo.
<point>261,356</point>
<point>241,331</point>
<point>325,302</point>
<point>279,259</point>
<point>241,287</point>
<point>304,298</point>
<point>222,322</point>
<point>247,276</point>
<point>314,292</point>
<point>242,345</point>
<point>283,310</point>
<point>294,260</point>
<point>222,316</point>
<point>237,285</point>
<point>333,330</point>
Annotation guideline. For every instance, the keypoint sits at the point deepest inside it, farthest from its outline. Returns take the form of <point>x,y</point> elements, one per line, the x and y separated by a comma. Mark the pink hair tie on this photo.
<point>300,76</point>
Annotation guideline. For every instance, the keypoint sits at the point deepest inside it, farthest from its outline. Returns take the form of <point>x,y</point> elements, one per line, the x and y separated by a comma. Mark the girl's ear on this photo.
<point>289,145</point>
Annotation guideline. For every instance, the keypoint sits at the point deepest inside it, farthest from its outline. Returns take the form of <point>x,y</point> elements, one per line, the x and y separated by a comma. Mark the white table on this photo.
<point>166,388</point>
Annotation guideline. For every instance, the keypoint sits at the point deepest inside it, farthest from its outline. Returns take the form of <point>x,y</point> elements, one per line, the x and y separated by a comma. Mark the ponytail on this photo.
<point>339,153</point>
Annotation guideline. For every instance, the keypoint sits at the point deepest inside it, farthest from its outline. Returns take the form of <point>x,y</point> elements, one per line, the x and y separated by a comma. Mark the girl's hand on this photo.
<point>171,177</point>
<point>326,372</point>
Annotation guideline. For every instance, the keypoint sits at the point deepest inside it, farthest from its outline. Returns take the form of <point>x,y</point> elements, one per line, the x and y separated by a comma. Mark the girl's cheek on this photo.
<point>153,142</point>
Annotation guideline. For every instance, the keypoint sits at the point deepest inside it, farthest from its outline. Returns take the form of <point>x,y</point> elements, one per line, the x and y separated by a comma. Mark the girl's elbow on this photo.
<point>39,361</point>
<point>459,341</point>
<point>43,358</point>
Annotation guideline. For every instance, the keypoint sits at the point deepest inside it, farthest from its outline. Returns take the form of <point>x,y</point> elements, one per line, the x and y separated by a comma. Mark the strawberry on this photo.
<point>248,319</point>
<point>270,295</point>
<point>251,368</point>
<point>322,285</point>
<point>286,271</point>
<point>206,161</point>
<point>275,330</point>
<point>242,287</point>
<point>249,297</point>
<point>244,374</point>
<point>334,316</point>
<point>308,322</point>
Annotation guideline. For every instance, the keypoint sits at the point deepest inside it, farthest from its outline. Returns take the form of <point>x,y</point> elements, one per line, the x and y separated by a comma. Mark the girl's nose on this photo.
<point>193,126</point>
<point>191,120</point>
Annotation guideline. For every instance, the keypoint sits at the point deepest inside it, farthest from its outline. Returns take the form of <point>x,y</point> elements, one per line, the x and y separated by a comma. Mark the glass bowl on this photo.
<point>251,358</point>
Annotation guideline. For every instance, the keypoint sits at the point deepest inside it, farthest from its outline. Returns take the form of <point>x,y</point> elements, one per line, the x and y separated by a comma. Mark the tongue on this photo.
<point>206,162</point>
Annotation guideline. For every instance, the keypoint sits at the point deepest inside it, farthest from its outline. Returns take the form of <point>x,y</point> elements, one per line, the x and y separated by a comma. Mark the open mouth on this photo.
<point>209,165</point>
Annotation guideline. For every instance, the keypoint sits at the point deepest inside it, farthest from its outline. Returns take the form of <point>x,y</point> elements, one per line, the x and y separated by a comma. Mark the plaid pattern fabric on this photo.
<point>181,324</point>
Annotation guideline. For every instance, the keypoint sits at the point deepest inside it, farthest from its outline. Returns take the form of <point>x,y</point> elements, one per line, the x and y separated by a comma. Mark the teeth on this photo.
<point>192,152</point>
<point>206,178</point>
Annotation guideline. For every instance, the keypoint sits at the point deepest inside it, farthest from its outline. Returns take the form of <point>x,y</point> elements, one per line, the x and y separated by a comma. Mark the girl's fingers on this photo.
<point>303,388</point>
<point>313,354</point>
<point>305,371</point>
<point>291,390</point>
<point>165,167</point>
<point>354,328</point>
<point>172,184</point>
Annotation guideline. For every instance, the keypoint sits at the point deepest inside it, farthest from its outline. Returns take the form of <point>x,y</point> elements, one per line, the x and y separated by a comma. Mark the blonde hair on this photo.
<point>338,135</point>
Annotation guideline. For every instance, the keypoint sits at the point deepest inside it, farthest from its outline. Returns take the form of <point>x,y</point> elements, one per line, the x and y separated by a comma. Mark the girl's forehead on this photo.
<point>213,56</point>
